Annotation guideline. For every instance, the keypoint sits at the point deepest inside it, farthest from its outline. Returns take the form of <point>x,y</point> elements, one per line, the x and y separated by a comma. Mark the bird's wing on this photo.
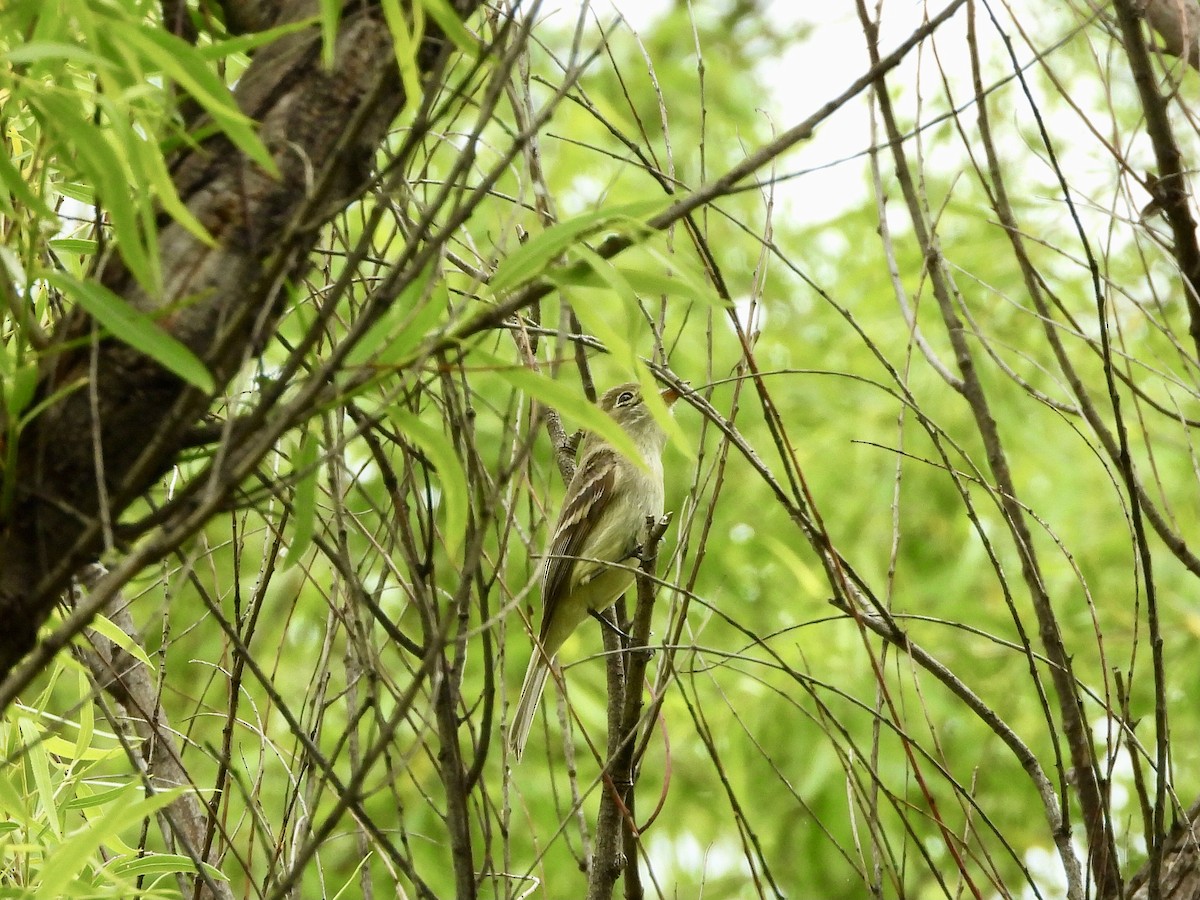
<point>590,494</point>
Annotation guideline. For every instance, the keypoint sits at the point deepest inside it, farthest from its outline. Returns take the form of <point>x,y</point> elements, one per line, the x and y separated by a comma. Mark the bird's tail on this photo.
<point>531,693</point>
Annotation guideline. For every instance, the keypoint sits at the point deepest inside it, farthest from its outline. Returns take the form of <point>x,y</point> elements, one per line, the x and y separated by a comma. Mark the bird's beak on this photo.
<point>670,395</point>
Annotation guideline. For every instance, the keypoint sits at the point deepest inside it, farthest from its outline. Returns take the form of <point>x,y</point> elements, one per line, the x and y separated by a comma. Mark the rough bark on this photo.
<point>1177,22</point>
<point>158,754</point>
<point>1180,868</point>
<point>322,127</point>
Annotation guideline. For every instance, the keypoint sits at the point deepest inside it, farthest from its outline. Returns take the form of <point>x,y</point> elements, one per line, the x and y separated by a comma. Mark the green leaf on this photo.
<point>594,321</point>
<point>566,400</point>
<point>38,51</point>
<point>672,282</point>
<point>179,61</point>
<point>304,501</point>
<point>452,25</point>
<point>150,163</point>
<point>105,627</point>
<point>535,255</point>
<point>453,479</point>
<point>652,396</point>
<point>70,750</point>
<point>160,864</point>
<point>244,43</point>
<point>12,179</point>
<point>403,326</point>
<point>38,759</point>
<point>405,42</point>
<point>86,800</point>
<point>87,721</point>
<point>331,12</point>
<point>135,328</point>
<point>593,318</point>
<point>69,859</point>
<point>11,801</point>
<point>682,280</point>
<point>64,120</point>
<point>74,245</point>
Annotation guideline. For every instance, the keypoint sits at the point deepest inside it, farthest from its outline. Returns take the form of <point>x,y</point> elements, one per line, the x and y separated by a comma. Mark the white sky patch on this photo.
<point>671,857</point>
<point>830,53</point>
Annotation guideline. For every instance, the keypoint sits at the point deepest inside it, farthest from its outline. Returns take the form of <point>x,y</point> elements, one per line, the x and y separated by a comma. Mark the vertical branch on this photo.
<point>1170,189</point>
<point>1088,780</point>
<point>127,680</point>
<point>606,853</point>
<point>627,762</point>
<point>450,765</point>
<point>616,831</point>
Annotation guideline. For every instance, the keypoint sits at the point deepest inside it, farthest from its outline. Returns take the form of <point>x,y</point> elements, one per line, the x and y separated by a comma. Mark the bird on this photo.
<point>598,528</point>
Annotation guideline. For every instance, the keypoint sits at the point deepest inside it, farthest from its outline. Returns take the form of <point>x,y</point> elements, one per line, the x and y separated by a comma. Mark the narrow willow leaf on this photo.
<point>452,25</point>
<point>38,759</point>
<point>14,182</point>
<point>684,279</point>
<point>24,381</point>
<point>39,51</point>
<point>304,499</point>
<point>70,750</point>
<point>535,255</point>
<point>150,163</point>
<point>160,864</point>
<point>12,803</point>
<point>106,628</point>
<point>651,394</point>
<point>68,860</point>
<point>82,246</point>
<point>599,321</point>
<point>644,283</point>
<point>134,328</point>
<point>244,43</point>
<point>406,42</point>
<point>564,399</point>
<point>594,321</point>
<point>331,12</point>
<point>403,326</point>
<point>85,799</point>
<point>453,479</point>
<point>179,61</point>
<point>66,123</point>
<point>87,720</point>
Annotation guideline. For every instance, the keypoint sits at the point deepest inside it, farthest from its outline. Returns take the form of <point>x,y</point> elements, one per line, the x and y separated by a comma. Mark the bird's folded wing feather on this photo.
<point>590,494</point>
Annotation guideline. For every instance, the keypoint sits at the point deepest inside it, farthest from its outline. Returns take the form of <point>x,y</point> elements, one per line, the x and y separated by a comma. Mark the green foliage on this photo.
<point>86,90</point>
<point>74,815</point>
<point>123,321</point>
<point>413,487</point>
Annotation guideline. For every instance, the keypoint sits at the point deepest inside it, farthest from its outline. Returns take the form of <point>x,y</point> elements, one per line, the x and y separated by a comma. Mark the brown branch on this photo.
<point>336,117</point>
<point>1170,186</point>
<point>1177,22</point>
<point>126,679</point>
<point>616,830</point>
<point>606,862</point>
<point>1088,780</point>
<point>625,771</point>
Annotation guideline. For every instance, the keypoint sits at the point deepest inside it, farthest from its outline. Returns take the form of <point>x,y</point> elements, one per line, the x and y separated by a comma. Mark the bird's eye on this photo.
<point>624,398</point>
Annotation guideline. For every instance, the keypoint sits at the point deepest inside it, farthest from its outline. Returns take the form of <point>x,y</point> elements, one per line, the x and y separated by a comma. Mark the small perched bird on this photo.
<point>601,521</point>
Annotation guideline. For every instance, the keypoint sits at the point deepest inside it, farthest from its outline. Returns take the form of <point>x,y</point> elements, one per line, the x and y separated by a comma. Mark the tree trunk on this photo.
<point>120,419</point>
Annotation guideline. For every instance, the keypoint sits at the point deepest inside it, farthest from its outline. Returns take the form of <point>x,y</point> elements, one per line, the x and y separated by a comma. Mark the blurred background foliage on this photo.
<point>778,761</point>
